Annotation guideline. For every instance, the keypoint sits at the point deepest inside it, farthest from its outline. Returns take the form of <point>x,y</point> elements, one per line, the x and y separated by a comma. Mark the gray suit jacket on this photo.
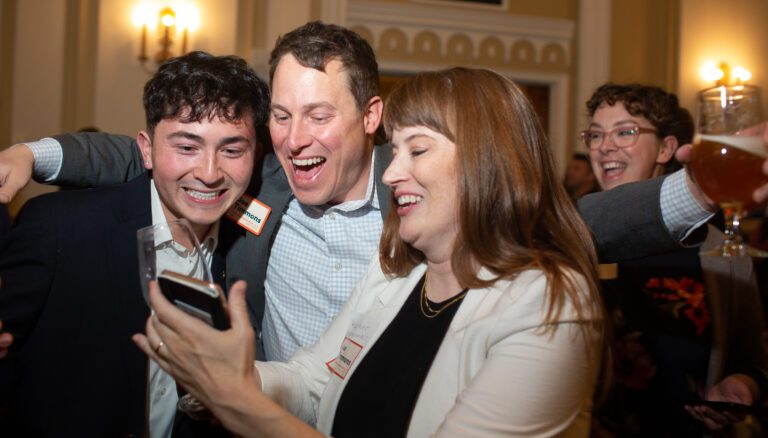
<point>95,159</point>
<point>737,316</point>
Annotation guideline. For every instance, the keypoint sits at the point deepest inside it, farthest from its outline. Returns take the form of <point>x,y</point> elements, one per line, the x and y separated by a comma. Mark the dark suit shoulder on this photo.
<point>627,222</point>
<point>128,198</point>
<point>272,170</point>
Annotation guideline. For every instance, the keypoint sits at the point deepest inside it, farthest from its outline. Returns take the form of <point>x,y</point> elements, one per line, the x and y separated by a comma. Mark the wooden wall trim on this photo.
<point>250,26</point>
<point>80,53</point>
<point>7,56</point>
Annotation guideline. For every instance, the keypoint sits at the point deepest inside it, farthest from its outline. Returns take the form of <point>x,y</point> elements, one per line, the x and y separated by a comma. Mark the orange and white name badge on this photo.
<point>347,354</point>
<point>250,214</point>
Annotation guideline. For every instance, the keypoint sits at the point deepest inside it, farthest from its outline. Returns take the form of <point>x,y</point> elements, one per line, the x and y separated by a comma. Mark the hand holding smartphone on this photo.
<point>195,297</point>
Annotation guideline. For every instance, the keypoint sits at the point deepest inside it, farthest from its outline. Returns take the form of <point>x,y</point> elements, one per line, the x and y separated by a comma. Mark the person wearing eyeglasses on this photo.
<point>687,327</point>
<point>633,132</point>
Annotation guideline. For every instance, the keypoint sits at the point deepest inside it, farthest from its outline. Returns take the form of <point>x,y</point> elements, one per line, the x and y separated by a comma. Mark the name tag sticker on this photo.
<point>347,354</point>
<point>363,327</point>
<point>250,214</point>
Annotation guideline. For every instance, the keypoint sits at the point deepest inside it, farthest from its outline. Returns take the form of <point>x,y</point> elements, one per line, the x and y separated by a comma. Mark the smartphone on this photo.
<point>722,406</point>
<point>200,299</point>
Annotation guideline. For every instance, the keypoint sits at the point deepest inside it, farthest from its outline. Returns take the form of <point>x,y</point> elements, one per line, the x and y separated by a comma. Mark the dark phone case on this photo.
<point>195,302</point>
<point>720,406</point>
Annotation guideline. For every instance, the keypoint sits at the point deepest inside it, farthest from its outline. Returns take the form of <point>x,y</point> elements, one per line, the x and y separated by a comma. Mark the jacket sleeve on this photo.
<point>627,222</point>
<point>93,159</point>
<point>537,379</point>
<point>737,316</point>
<point>299,384</point>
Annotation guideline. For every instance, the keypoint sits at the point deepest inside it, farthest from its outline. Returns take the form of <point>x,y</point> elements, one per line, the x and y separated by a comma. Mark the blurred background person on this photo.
<point>686,326</point>
<point>579,179</point>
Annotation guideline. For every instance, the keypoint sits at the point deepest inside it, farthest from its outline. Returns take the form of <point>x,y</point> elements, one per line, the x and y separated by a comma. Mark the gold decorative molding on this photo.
<point>410,37</point>
<point>403,32</point>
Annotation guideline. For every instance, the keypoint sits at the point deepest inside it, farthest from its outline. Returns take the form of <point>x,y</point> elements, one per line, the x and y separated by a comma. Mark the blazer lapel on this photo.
<point>383,156</point>
<point>248,258</point>
<point>133,212</point>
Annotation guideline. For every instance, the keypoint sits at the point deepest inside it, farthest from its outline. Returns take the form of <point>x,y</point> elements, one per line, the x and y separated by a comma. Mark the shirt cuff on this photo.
<point>681,212</point>
<point>48,158</point>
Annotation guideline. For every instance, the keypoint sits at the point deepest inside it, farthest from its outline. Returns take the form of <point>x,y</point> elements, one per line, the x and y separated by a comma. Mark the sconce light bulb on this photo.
<point>144,15</point>
<point>187,16</point>
<point>742,74</point>
<point>168,20</point>
<point>710,72</point>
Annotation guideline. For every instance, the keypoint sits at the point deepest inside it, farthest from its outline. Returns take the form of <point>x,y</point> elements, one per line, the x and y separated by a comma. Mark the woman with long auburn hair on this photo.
<point>481,314</point>
<point>511,214</point>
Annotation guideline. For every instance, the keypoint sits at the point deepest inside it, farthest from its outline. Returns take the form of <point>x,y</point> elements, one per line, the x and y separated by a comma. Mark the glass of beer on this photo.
<point>728,154</point>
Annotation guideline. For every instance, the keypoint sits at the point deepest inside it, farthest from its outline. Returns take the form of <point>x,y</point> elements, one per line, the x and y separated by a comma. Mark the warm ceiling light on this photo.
<point>187,17</point>
<point>167,17</point>
<point>169,20</point>
<point>710,72</point>
<point>723,74</point>
<point>741,74</point>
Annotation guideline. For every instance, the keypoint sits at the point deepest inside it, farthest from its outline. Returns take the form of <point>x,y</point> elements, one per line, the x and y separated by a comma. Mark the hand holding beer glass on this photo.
<point>728,155</point>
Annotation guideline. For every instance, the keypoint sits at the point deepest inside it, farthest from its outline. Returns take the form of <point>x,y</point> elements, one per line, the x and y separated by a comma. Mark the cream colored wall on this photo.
<point>644,48</point>
<point>7,37</point>
<point>38,67</point>
<point>120,77</point>
<point>285,15</point>
<point>37,77</point>
<point>733,31</point>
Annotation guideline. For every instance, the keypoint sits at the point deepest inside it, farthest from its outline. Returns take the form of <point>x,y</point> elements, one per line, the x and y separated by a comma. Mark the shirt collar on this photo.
<point>369,200</point>
<point>208,244</point>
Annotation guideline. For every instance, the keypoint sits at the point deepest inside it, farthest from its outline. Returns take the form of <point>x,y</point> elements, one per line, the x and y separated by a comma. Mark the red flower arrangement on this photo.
<point>684,296</point>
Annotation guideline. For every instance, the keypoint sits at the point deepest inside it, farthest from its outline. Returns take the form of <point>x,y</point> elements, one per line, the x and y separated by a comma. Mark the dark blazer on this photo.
<point>71,296</point>
<point>94,159</point>
<point>72,299</point>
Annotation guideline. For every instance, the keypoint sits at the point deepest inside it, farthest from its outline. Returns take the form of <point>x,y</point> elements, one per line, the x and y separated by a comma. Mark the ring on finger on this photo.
<point>159,346</point>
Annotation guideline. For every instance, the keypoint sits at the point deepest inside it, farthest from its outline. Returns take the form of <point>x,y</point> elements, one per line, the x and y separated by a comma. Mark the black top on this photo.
<point>382,392</point>
<point>660,312</point>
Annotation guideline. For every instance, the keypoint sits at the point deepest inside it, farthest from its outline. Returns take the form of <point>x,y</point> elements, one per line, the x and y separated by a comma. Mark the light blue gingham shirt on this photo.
<point>318,255</point>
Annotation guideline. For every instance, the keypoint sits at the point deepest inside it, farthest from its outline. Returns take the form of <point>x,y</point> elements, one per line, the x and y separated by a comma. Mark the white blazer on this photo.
<point>495,374</point>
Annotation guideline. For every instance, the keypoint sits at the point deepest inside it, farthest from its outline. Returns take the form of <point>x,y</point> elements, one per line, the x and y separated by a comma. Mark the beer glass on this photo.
<point>728,154</point>
<point>179,248</point>
<point>173,246</point>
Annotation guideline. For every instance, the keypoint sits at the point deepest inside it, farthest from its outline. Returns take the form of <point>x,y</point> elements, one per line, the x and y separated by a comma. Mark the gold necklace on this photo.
<point>427,310</point>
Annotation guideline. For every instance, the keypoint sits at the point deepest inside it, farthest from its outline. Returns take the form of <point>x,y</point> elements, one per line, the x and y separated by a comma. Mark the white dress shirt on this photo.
<point>161,394</point>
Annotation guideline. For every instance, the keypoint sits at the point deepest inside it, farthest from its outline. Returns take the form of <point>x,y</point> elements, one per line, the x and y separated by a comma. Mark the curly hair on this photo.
<point>199,85</point>
<point>657,106</point>
<point>315,44</point>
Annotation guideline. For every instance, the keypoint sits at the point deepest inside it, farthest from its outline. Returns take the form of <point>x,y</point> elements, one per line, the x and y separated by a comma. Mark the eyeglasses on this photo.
<point>621,137</point>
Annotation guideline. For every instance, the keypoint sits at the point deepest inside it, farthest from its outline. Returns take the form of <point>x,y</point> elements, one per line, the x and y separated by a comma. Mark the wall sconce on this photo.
<point>169,20</point>
<point>722,74</point>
